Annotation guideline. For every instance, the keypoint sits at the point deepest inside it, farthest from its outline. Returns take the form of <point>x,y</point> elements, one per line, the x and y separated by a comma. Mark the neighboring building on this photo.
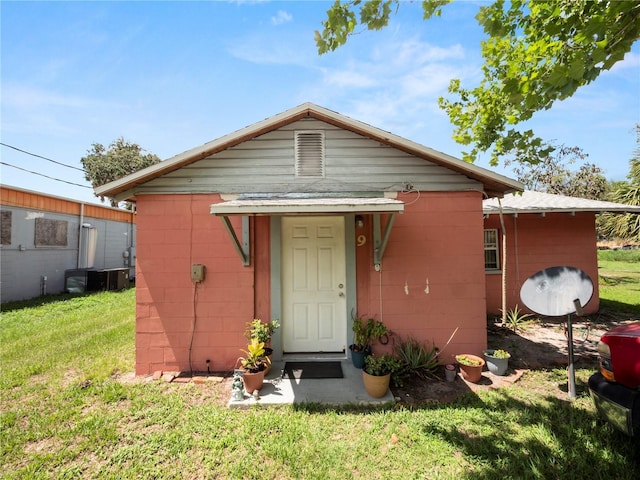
<point>542,231</point>
<point>44,236</point>
<point>321,217</point>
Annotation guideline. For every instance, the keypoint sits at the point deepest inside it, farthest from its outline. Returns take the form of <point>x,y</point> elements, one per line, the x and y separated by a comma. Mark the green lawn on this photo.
<point>619,272</point>
<point>66,415</point>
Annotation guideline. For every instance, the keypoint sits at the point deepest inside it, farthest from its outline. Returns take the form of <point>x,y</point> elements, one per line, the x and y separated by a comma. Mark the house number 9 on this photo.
<point>362,239</point>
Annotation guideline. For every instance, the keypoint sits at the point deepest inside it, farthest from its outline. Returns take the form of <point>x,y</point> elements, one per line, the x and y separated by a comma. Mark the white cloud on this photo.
<point>407,76</point>
<point>429,81</point>
<point>415,52</point>
<point>20,96</point>
<point>256,51</point>
<point>281,17</point>
<point>32,109</point>
<point>348,79</point>
<point>631,60</point>
<point>395,85</point>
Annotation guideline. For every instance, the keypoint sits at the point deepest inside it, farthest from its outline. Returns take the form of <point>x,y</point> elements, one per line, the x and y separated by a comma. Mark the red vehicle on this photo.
<point>616,388</point>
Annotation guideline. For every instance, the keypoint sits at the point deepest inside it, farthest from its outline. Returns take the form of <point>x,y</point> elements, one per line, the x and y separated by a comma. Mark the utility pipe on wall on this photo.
<point>80,234</point>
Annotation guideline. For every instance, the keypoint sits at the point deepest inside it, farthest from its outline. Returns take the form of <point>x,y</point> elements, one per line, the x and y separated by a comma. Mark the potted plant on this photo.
<point>376,373</point>
<point>497,360</point>
<point>470,367</point>
<point>254,365</point>
<point>365,332</point>
<point>263,331</point>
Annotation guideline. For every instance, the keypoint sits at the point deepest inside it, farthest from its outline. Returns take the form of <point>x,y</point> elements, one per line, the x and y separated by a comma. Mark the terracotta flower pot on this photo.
<point>471,373</point>
<point>252,381</point>
<point>376,386</point>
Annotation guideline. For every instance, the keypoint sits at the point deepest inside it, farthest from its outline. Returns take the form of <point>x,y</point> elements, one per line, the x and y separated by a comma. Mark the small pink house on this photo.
<point>309,217</point>
<point>541,230</point>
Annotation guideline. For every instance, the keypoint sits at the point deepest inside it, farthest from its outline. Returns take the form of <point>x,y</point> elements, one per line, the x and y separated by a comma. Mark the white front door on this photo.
<point>314,317</point>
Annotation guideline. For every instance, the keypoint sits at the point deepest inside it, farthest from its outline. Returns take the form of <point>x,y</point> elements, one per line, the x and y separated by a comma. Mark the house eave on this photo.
<point>494,185</point>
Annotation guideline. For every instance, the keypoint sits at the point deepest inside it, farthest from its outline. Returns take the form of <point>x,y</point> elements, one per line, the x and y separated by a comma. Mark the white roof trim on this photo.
<point>538,202</point>
<point>307,206</point>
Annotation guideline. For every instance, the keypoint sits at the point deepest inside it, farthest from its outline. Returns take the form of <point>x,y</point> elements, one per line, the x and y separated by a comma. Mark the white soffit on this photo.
<point>307,206</point>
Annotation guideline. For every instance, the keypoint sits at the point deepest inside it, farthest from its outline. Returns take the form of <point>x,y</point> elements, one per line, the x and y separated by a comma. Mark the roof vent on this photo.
<point>309,151</point>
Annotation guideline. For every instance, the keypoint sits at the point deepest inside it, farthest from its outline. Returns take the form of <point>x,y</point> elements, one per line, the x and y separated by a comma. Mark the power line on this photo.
<point>40,156</point>
<point>43,175</point>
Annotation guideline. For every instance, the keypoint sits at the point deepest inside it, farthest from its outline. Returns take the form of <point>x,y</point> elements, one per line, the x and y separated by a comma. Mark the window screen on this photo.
<point>491,250</point>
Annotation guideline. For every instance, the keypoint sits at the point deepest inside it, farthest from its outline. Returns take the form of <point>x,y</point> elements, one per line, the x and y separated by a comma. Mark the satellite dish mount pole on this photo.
<point>572,371</point>
<point>558,291</point>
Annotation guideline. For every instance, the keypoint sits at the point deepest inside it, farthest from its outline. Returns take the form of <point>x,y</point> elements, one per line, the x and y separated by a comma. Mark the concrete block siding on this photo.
<point>24,264</point>
<point>431,281</point>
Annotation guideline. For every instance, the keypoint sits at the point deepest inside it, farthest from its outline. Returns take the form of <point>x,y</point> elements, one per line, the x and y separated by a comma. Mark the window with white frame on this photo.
<point>491,250</point>
<point>309,152</point>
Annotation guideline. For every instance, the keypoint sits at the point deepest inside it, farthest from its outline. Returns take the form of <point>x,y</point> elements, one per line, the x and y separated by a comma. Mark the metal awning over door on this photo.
<point>307,206</point>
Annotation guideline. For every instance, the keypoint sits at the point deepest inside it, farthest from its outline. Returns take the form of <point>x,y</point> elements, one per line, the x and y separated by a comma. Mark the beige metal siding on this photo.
<point>266,164</point>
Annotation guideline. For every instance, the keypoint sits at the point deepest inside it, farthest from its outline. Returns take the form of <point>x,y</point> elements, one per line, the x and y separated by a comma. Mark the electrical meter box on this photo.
<point>197,273</point>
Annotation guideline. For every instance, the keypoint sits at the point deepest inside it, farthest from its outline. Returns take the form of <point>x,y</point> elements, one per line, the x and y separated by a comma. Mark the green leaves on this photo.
<point>625,226</point>
<point>253,359</point>
<point>375,13</point>
<point>534,57</point>
<point>340,23</point>
<point>122,158</point>
<point>536,53</point>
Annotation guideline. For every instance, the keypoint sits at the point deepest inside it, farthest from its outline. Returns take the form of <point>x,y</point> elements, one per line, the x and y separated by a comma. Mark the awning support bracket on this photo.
<point>380,239</point>
<point>242,247</point>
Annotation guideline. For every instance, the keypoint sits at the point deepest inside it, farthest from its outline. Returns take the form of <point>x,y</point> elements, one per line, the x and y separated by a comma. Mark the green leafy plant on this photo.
<point>535,54</point>
<point>253,360</point>
<point>262,331</point>
<point>469,361</point>
<point>365,332</point>
<point>515,318</point>
<point>380,365</point>
<point>359,337</point>
<point>497,353</point>
<point>416,359</point>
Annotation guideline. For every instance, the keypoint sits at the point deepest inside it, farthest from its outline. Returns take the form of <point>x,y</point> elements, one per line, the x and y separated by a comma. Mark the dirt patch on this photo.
<point>538,345</point>
<point>43,445</point>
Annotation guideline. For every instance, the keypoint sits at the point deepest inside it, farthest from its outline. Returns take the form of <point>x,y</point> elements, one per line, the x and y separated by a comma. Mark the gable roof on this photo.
<point>538,202</point>
<point>493,183</point>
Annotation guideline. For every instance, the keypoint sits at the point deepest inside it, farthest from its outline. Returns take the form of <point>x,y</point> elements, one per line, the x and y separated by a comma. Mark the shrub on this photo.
<point>262,331</point>
<point>380,365</point>
<point>515,318</point>
<point>415,359</point>
<point>365,332</point>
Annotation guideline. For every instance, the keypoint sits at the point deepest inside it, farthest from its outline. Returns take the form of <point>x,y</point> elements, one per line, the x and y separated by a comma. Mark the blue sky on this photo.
<point>173,75</point>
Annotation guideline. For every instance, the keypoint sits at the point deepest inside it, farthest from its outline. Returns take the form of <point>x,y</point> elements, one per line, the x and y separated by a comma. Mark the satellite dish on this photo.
<point>552,291</point>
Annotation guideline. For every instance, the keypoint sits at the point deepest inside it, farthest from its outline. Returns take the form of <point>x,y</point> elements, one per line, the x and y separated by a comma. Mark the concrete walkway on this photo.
<point>330,391</point>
